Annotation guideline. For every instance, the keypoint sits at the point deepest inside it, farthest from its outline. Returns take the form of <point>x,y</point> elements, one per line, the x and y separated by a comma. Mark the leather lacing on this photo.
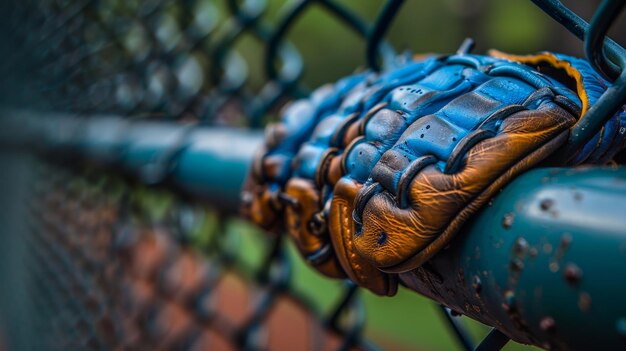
<point>365,101</point>
<point>487,129</point>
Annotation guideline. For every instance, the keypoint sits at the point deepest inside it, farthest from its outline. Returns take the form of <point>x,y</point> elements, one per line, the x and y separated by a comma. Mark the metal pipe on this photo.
<point>544,263</point>
<point>207,163</point>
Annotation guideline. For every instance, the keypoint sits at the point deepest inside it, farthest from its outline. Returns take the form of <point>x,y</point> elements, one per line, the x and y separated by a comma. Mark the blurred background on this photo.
<point>196,61</point>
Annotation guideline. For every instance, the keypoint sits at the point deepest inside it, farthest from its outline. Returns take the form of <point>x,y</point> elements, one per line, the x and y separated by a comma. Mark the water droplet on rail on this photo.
<point>521,245</point>
<point>547,324</point>
<point>507,221</point>
<point>547,248</point>
<point>554,266</point>
<point>573,274</point>
<point>477,284</point>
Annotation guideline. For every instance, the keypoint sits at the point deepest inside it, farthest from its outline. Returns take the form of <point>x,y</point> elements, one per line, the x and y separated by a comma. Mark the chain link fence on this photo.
<point>110,264</point>
<point>111,269</point>
<point>107,263</point>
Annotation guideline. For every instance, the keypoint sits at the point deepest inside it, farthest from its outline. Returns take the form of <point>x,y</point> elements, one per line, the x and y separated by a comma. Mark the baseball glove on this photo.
<point>375,174</point>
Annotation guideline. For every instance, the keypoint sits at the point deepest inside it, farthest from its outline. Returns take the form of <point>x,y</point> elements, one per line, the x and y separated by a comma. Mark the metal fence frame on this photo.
<point>192,158</point>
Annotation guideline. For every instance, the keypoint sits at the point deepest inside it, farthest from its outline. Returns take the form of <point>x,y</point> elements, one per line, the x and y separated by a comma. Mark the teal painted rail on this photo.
<point>208,163</point>
<point>544,263</point>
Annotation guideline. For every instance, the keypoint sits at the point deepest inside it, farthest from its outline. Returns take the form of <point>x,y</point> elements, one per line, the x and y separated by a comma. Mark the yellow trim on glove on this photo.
<point>555,62</point>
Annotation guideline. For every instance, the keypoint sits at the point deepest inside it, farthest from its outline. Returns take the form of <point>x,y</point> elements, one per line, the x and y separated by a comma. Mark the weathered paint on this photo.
<point>552,264</point>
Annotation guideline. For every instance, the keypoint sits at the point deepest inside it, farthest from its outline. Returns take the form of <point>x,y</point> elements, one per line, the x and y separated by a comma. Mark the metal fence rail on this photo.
<point>109,89</point>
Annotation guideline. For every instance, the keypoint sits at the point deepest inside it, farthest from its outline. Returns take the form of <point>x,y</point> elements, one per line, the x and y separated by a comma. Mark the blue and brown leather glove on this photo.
<point>375,174</point>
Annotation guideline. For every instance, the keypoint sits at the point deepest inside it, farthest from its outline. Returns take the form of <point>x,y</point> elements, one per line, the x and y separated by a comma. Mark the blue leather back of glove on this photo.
<point>447,99</point>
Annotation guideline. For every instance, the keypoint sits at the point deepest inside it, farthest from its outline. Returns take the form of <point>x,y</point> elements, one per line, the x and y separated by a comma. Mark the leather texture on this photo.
<point>374,175</point>
<point>589,86</point>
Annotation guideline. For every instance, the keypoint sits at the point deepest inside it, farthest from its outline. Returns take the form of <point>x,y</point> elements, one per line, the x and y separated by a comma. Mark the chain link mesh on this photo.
<point>107,270</point>
<point>158,59</point>
<point>112,264</point>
